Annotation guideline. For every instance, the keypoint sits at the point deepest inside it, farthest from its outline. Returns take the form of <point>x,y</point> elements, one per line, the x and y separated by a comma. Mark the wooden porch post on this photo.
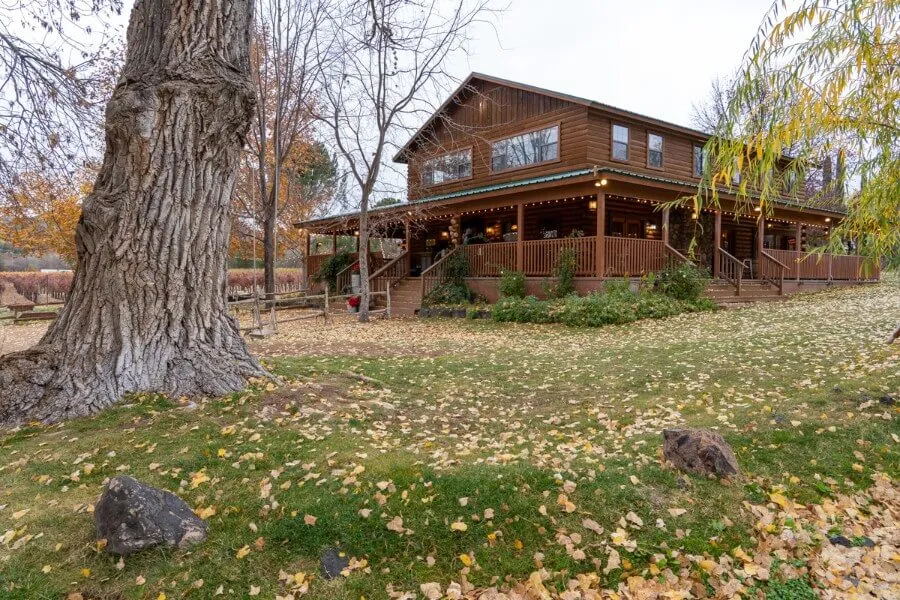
<point>520,237</point>
<point>408,235</point>
<point>601,242</point>
<point>665,226</point>
<point>306,260</point>
<point>799,247</point>
<point>717,244</point>
<point>760,234</point>
<point>334,243</point>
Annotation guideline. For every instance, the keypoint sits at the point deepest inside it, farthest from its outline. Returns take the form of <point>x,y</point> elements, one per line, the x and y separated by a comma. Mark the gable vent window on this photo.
<point>620,142</point>
<point>654,150</point>
<point>526,149</point>
<point>456,165</point>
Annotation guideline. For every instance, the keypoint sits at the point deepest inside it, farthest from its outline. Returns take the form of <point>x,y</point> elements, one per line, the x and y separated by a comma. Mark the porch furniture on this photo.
<point>748,266</point>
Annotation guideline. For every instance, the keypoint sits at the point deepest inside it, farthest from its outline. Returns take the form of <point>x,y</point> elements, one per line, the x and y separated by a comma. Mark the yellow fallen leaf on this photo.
<point>85,572</point>
<point>198,478</point>
<point>464,559</point>
<point>243,552</point>
<point>458,526</point>
<point>205,513</point>
<point>46,569</point>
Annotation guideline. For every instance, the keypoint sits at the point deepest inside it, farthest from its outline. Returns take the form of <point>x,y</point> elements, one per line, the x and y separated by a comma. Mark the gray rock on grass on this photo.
<point>132,517</point>
<point>700,451</point>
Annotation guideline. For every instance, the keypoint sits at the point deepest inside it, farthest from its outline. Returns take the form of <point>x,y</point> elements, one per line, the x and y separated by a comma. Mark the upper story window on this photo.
<point>654,150</point>
<point>456,165</point>
<point>736,173</point>
<point>700,161</point>
<point>620,142</point>
<point>526,149</point>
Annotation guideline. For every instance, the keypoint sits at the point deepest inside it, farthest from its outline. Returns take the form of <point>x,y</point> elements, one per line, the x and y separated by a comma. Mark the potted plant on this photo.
<point>353,304</point>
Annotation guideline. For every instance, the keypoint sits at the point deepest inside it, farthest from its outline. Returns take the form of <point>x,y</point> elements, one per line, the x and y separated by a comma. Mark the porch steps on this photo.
<point>406,297</point>
<point>724,294</point>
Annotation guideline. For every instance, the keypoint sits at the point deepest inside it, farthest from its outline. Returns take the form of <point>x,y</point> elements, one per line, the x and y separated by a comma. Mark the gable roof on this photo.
<point>467,86</point>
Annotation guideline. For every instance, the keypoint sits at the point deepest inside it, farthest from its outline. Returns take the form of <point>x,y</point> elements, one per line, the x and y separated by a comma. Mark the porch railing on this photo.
<point>772,270</point>
<point>433,275</point>
<point>633,257</point>
<point>731,269</point>
<point>542,256</point>
<point>824,266</point>
<point>389,274</point>
<point>488,260</point>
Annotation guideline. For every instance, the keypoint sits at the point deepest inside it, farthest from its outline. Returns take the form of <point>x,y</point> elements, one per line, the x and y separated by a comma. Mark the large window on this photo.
<point>525,149</point>
<point>620,142</point>
<point>456,165</point>
<point>654,150</point>
<point>700,161</point>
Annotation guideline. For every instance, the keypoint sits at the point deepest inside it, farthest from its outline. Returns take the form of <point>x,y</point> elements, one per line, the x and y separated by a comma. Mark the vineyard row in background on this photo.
<point>50,288</point>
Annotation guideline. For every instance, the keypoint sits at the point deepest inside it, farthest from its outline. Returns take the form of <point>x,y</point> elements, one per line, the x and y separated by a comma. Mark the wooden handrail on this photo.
<point>732,269</point>
<point>427,273</point>
<point>763,270</point>
<point>387,266</point>
<point>677,255</point>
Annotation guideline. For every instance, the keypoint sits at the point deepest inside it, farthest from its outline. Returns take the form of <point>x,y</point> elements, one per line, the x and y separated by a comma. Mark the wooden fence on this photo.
<point>634,257</point>
<point>810,265</point>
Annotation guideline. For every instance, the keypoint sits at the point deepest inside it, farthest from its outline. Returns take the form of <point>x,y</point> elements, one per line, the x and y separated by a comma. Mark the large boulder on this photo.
<point>700,451</point>
<point>132,516</point>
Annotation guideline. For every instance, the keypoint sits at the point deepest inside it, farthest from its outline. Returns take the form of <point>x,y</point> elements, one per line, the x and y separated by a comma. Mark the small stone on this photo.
<point>840,540</point>
<point>836,389</point>
<point>887,400</point>
<point>132,516</point>
<point>332,562</point>
<point>779,419</point>
<point>700,451</point>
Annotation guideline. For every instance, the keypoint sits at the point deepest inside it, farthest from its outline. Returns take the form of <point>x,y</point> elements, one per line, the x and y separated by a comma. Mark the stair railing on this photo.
<point>731,269</point>
<point>434,275</point>
<point>772,270</point>
<point>674,257</point>
<point>389,274</point>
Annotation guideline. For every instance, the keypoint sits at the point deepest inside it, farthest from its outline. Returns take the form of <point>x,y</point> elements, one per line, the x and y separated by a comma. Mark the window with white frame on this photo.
<point>654,150</point>
<point>455,165</point>
<point>525,149</point>
<point>620,142</point>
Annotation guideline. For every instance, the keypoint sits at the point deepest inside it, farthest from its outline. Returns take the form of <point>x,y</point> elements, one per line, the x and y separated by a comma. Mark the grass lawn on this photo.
<point>470,456</point>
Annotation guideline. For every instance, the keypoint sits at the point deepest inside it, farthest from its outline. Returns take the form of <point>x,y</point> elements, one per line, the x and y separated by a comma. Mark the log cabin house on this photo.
<point>510,174</point>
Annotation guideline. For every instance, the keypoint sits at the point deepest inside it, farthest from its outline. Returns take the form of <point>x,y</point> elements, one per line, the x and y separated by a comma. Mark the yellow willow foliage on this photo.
<point>40,214</point>
<point>822,80</point>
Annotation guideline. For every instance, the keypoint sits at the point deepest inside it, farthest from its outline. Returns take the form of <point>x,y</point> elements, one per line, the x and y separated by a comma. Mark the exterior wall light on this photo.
<point>600,182</point>
<point>592,204</point>
<point>828,219</point>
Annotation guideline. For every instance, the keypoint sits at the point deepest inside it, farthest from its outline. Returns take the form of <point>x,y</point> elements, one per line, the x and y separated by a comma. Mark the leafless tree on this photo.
<point>377,62</point>
<point>147,310</point>
<point>57,65</point>
<point>281,60</point>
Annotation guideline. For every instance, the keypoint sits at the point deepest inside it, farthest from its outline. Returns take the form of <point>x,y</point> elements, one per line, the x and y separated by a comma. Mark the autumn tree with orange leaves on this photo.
<point>40,215</point>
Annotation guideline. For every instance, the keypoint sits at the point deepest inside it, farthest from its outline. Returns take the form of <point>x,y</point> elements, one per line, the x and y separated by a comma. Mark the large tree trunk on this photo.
<point>147,309</point>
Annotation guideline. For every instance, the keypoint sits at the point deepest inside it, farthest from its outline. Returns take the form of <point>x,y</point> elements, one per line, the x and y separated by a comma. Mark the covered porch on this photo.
<point>618,230</point>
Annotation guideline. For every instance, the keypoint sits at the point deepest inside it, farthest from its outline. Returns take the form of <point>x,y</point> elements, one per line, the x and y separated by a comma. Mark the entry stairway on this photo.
<point>725,294</point>
<point>406,297</point>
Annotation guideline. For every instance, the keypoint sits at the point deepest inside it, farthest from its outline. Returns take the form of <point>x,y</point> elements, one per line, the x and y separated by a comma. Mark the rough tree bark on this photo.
<point>147,310</point>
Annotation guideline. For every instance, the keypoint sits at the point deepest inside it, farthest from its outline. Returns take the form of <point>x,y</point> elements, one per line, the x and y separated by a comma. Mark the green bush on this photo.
<point>683,282</point>
<point>330,267</point>
<point>448,293</point>
<point>453,288</point>
<point>521,310</point>
<point>565,273</point>
<point>615,305</point>
<point>512,284</point>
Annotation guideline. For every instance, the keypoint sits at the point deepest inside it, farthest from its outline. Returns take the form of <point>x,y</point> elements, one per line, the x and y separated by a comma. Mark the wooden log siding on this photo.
<point>633,257</point>
<point>487,260</point>
<point>542,256</point>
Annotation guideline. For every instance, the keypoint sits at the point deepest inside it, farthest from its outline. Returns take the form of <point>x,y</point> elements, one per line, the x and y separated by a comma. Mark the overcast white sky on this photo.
<point>655,57</point>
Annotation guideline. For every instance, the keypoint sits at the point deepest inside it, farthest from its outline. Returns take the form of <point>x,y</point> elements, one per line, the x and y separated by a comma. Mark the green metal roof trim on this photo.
<point>783,201</point>
<point>463,193</point>
<point>549,178</point>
